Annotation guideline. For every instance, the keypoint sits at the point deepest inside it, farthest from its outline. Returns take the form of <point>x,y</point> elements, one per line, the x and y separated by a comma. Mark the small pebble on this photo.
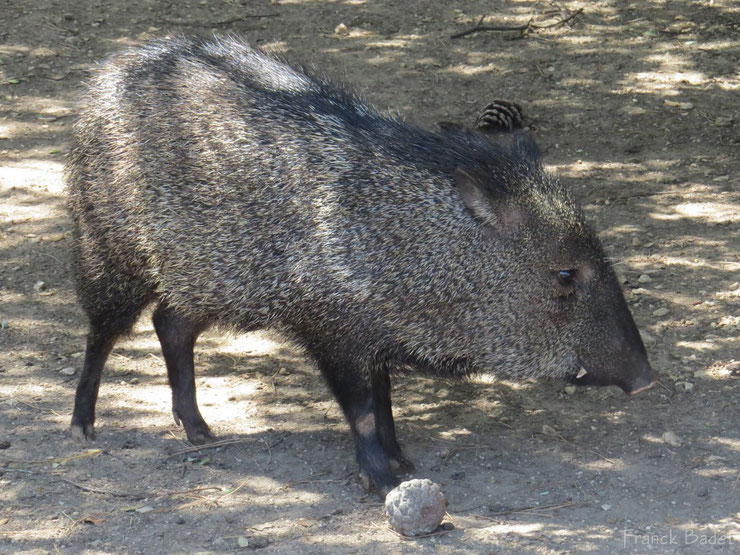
<point>39,286</point>
<point>636,242</point>
<point>644,278</point>
<point>606,507</point>
<point>671,439</point>
<point>4,324</point>
<point>341,29</point>
<point>242,541</point>
<point>661,311</point>
<point>647,339</point>
<point>68,371</point>
<point>570,389</point>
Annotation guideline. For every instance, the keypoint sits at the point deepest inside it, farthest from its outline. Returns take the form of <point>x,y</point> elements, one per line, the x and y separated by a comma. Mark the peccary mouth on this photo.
<point>641,383</point>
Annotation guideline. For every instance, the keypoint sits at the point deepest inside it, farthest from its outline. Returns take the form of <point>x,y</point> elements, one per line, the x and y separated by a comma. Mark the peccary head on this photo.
<point>560,311</point>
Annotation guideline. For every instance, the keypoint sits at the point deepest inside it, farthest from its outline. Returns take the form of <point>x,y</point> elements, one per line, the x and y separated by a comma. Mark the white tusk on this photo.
<point>582,372</point>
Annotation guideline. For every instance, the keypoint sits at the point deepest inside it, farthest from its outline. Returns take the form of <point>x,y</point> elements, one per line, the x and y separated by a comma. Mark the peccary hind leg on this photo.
<point>99,346</point>
<point>177,335</point>
<point>108,321</point>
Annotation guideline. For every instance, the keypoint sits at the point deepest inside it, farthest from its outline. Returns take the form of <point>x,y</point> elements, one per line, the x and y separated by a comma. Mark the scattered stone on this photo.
<point>661,311</point>
<point>570,389</point>
<point>721,178</point>
<point>4,444</point>
<point>723,121</point>
<point>133,381</point>
<point>681,105</point>
<point>549,430</point>
<point>640,291</point>
<point>688,386</point>
<point>341,30</point>
<point>40,286</point>
<point>68,371</point>
<point>415,507</point>
<point>242,541</point>
<point>4,324</point>
<point>254,542</point>
<point>644,278</point>
<point>43,52</point>
<point>671,439</point>
<point>633,110</point>
<point>606,507</point>
<point>636,242</point>
<point>647,339</point>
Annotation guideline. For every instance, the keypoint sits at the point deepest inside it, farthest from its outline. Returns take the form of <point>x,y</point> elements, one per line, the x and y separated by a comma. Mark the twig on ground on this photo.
<point>220,23</point>
<point>522,29</point>
<point>533,510</point>
<point>223,442</point>
<point>98,490</point>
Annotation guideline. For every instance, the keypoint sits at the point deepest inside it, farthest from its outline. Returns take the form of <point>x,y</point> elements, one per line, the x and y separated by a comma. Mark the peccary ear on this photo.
<point>498,216</point>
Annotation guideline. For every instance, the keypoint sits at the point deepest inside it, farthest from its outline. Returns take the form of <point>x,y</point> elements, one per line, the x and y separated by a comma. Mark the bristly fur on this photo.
<point>233,189</point>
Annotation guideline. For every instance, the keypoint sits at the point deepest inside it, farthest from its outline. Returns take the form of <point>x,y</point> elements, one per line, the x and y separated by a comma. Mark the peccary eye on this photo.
<point>566,277</point>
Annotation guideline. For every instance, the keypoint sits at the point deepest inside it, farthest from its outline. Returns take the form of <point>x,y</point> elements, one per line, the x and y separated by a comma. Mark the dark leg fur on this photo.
<point>98,348</point>
<point>355,395</point>
<point>386,429</point>
<point>177,335</point>
<point>105,329</point>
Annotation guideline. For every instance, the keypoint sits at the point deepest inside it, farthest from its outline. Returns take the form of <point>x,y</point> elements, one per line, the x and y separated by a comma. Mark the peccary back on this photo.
<point>231,188</point>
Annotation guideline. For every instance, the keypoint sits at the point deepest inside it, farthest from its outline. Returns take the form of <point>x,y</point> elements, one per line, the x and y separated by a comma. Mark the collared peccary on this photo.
<point>230,188</point>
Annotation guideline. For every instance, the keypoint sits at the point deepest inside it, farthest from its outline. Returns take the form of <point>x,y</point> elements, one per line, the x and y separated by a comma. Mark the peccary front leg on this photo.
<point>177,335</point>
<point>355,395</point>
<point>386,429</point>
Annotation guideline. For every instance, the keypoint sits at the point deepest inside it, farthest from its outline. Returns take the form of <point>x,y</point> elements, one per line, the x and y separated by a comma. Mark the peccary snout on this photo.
<point>621,360</point>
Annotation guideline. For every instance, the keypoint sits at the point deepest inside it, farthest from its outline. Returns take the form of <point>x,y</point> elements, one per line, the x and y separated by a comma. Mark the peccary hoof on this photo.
<point>82,432</point>
<point>401,465</point>
<point>200,436</point>
<point>370,485</point>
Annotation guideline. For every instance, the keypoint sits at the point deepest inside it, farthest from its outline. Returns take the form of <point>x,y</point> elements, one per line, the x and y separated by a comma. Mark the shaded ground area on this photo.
<point>635,104</point>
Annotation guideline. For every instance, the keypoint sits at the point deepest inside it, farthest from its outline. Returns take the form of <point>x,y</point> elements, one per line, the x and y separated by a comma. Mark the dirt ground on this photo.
<point>636,106</point>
